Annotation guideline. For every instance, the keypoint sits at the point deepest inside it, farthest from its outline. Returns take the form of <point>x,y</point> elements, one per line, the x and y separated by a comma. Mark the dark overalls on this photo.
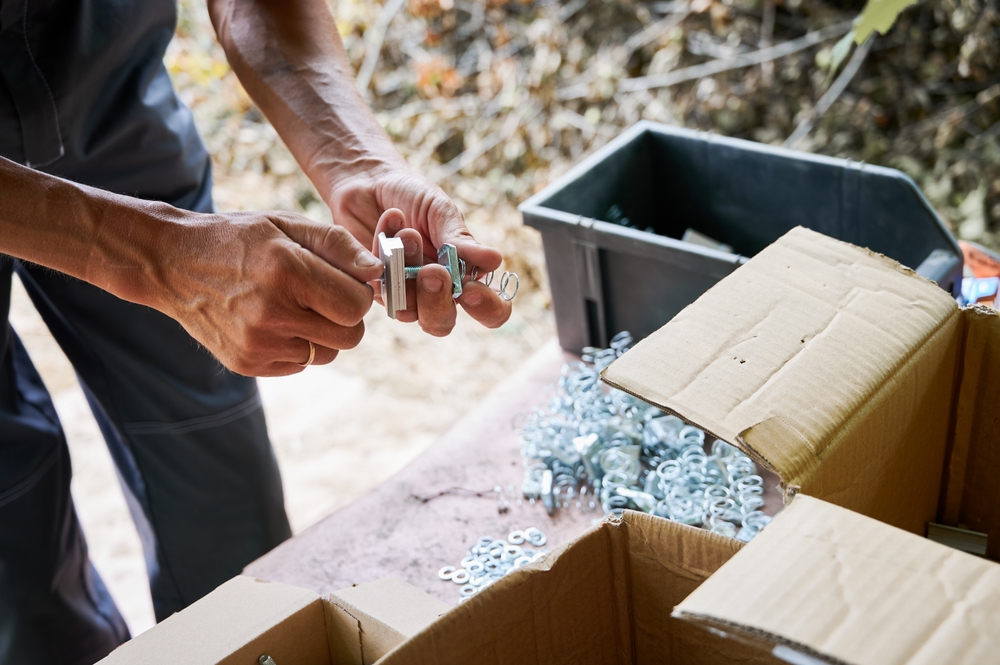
<point>84,95</point>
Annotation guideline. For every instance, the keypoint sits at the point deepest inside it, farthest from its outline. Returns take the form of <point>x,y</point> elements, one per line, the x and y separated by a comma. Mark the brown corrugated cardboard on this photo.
<point>604,598</point>
<point>972,497</point>
<point>245,618</point>
<point>825,582</point>
<point>234,625</point>
<point>382,614</point>
<point>854,379</point>
<point>820,584</point>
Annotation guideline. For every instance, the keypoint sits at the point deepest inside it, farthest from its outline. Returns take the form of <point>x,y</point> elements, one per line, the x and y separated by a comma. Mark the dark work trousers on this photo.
<point>193,458</point>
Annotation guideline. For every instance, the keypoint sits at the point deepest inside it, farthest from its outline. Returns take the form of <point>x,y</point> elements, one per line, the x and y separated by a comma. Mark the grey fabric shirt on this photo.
<point>84,95</point>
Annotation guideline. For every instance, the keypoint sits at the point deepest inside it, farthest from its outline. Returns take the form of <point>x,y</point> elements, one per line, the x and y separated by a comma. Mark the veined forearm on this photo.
<point>96,236</point>
<point>289,57</point>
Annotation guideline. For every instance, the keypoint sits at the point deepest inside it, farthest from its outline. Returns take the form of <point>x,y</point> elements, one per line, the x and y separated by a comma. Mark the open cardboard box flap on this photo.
<point>853,378</point>
<point>820,583</point>
<point>829,585</point>
<point>605,597</point>
<point>245,617</point>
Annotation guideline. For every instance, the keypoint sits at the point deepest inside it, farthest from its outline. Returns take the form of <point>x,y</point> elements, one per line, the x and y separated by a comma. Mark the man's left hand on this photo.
<point>398,201</point>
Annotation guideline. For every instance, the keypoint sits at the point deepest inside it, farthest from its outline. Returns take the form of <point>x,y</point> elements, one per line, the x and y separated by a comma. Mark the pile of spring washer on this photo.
<point>597,446</point>
<point>489,559</point>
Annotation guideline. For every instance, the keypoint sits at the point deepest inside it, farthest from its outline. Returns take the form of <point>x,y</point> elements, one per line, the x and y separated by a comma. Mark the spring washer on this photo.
<point>505,282</point>
<point>460,576</point>
<point>446,573</point>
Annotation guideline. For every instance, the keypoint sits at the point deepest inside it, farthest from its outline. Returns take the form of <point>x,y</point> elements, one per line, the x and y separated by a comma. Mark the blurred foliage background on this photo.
<point>496,98</point>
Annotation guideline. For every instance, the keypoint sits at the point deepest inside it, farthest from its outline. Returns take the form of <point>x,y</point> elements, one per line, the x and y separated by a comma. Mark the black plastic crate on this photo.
<point>606,277</point>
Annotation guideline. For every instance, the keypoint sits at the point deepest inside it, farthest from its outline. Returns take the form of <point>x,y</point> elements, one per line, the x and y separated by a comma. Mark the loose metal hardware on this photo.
<point>396,273</point>
<point>490,559</point>
<point>266,660</point>
<point>594,446</point>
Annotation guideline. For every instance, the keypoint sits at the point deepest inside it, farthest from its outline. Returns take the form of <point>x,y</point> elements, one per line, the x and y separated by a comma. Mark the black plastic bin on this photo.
<point>606,277</point>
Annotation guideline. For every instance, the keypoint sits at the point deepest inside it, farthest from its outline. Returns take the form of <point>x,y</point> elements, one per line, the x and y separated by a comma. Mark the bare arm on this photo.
<point>251,287</point>
<point>289,57</point>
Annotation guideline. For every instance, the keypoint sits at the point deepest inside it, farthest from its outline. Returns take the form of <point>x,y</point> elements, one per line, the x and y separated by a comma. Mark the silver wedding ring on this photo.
<point>312,355</point>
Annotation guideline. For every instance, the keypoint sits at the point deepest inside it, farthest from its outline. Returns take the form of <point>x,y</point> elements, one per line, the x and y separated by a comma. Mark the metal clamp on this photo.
<point>396,273</point>
<point>390,252</point>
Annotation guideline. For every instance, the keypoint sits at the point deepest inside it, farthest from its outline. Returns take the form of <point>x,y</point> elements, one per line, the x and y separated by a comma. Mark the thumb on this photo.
<point>447,225</point>
<point>334,244</point>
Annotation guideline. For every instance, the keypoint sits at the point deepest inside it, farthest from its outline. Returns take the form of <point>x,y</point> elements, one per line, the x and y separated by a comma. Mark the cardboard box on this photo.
<point>246,618</point>
<point>821,584</point>
<point>606,597</point>
<point>851,377</point>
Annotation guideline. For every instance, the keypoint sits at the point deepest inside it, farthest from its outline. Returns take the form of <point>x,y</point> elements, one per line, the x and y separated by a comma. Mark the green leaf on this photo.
<point>840,52</point>
<point>878,15</point>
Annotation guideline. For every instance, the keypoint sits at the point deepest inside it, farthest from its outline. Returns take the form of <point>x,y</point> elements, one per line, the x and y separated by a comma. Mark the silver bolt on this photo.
<point>266,660</point>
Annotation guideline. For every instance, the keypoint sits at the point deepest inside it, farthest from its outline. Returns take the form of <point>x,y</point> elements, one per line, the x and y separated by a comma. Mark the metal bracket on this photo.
<point>390,251</point>
<point>397,272</point>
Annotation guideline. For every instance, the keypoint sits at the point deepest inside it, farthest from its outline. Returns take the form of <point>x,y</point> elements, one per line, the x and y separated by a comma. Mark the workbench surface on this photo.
<point>391,532</point>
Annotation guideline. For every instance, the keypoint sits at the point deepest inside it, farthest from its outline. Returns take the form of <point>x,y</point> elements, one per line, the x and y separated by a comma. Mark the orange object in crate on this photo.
<point>982,261</point>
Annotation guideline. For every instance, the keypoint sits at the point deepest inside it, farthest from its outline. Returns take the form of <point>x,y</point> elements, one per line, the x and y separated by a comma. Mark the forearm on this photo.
<point>99,237</point>
<point>289,57</point>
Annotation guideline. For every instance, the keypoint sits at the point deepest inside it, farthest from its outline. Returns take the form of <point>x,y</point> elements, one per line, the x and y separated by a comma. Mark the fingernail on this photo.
<point>395,224</point>
<point>433,285</point>
<point>366,260</point>
<point>409,247</point>
<point>473,299</point>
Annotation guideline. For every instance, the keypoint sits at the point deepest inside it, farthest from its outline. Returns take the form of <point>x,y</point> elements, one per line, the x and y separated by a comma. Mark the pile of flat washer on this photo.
<point>489,559</point>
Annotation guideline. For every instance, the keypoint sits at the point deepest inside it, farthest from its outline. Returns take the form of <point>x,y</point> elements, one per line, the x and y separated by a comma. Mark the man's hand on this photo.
<point>256,288</point>
<point>289,57</point>
<point>410,207</point>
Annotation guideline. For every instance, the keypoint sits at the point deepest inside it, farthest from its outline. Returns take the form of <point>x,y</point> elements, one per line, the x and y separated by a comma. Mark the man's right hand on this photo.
<point>256,287</point>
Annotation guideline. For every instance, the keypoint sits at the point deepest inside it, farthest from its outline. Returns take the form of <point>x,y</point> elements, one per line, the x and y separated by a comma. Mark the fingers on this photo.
<point>428,298</point>
<point>446,224</point>
<point>334,244</point>
<point>436,309</point>
<point>484,305</point>
<point>323,356</point>
<point>336,269</point>
<point>284,344</point>
<point>390,223</point>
